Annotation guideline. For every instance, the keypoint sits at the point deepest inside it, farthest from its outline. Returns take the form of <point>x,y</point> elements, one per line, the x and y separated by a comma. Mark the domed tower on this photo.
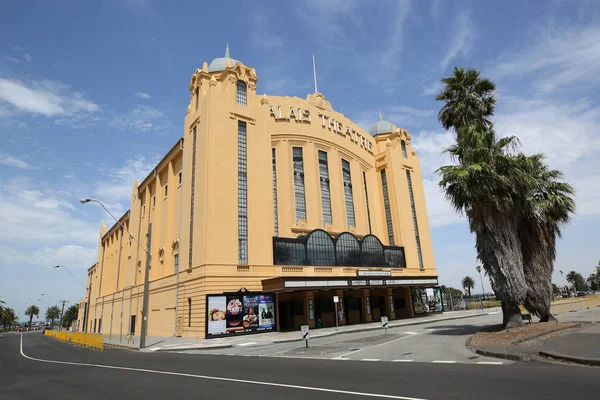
<point>401,183</point>
<point>221,157</point>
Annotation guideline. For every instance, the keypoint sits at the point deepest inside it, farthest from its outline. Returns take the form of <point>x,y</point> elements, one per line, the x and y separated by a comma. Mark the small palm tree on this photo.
<point>8,318</point>
<point>70,316</point>
<point>469,100</point>
<point>468,283</point>
<point>32,311</point>
<point>52,313</point>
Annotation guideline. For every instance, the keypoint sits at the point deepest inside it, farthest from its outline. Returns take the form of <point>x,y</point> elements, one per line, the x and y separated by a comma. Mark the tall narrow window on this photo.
<point>386,204</point>
<point>275,217</point>
<point>325,193</point>
<point>176,262</point>
<point>300,201</point>
<point>403,146</point>
<point>166,190</point>
<point>414,217</point>
<point>348,193</point>
<point>189,312</point>
<point>192,199</point>
<point>197,97</point>
<point>242,196</point>
<point>242,98</point>
<point>367,200</point>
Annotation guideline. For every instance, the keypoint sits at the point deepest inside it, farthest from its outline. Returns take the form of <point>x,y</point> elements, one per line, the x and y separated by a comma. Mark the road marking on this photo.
<point>246,344</point>
<point>350,352</point>
<point>395,340</point>
<point>411,333</point>
<point>218,378</point>
<point>338,358</point>
<point>443,362</point>
<point>403,360</point>
<point>490,362</point>
<point>370,359</point>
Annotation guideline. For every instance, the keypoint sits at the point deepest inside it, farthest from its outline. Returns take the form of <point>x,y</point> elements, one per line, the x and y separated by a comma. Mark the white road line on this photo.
<point>395,340</point>
<point>337,358</point>
<point>350,352</point>
<point>403,360</point>
<point>217,378</point>
<point>443,362</point>
<point>411,333</point>
<point>246,344</point>
<point>370,359</point>
<point>490,362</point>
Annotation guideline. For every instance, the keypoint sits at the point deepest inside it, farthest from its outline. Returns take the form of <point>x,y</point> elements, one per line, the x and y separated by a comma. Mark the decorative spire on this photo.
<point>227,51</point>
<point>380,115</point>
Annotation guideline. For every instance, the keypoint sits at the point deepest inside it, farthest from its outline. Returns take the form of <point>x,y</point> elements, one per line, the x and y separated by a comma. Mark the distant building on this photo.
<point>272,196</point>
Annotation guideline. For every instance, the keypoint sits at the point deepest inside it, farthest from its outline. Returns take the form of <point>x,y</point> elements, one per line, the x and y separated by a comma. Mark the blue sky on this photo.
<point>82,82</point>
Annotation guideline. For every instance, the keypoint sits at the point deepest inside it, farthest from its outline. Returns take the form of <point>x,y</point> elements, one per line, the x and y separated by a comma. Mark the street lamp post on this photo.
<point>73,276</point>
<point>145,303</point>
<point>482,288</point>
<point>563,282</point>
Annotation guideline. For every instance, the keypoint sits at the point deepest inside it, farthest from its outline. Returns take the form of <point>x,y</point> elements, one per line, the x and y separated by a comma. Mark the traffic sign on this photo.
<point>305,333</point>
<point>384,323</point>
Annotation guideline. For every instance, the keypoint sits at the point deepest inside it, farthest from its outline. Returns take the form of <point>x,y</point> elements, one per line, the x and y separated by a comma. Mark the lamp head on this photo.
<point>83,201</point>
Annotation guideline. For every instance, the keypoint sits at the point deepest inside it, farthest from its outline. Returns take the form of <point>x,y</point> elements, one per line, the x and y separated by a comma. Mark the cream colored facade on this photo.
<point>195,249</point>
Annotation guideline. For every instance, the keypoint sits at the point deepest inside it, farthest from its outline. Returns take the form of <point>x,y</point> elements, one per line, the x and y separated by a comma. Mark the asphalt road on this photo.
<point>435,342</point>
<point>117,374</point>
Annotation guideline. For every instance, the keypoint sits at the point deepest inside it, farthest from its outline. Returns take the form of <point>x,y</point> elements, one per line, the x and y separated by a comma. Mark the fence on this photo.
<point>461,304</point>
<point>93,341</point>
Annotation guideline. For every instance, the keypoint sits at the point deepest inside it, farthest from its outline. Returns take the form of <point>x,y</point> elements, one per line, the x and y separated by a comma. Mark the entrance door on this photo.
<point>378,307</point>
<point>353,310</point>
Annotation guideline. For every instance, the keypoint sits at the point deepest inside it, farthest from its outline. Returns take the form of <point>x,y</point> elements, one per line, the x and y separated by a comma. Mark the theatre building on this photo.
<point>265,210</point>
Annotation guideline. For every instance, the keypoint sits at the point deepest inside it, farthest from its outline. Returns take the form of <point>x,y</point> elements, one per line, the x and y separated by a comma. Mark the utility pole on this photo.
<point>482,288</point>
<point>145,303</point>
<point>62,311</point>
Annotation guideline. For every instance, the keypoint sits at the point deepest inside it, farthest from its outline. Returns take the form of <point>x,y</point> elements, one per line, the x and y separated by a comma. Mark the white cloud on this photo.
<point>559,56</point>
<point>433,88</point>
<point>328,18</point>
<point>37,216</point>
<point>142,95</point>
<point>48,98</point>
<point>11,161</point>
<point>143,118</point>
<point>21,56</point>
<point>117,187</point>
<point>462,40</point>
<point>261,37</point>
<point>27,57</point>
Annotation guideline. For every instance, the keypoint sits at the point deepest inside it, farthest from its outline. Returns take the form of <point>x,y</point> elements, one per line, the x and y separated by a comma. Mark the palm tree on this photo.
<point>469,100</point>
<point>577,280</point>
<point>545,206</point>
<point>52,313</point>
<point>483,187</point>
<point>70,316</point>
<point>32,311</point>
<point>468,283</point>
<point>8,318</point>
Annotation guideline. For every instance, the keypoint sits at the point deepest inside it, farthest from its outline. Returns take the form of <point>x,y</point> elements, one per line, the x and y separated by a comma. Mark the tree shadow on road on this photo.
<point>464,330</point>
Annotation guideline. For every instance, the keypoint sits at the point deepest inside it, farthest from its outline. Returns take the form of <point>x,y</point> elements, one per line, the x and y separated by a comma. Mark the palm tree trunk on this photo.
<point>499,249</point>
<point>30,320</point>
<point>538,261</point>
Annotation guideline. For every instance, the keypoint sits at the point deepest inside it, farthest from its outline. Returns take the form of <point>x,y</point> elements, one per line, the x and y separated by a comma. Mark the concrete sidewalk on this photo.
<point>171,343</point>
<point>580,345</point>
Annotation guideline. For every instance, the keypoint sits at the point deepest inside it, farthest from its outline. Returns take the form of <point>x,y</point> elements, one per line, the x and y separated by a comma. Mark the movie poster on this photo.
<point>266,311</point>
<point>235,313</point>
<point>250,321</point>
<point>417,299</point>
<point>216,315</point>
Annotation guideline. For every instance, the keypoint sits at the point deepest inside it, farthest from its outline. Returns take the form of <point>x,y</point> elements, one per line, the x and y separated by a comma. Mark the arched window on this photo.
<point>372,252</point>
<point>347,250</point>
<point>242,98</point>
<point>403,145</point>
<point>319,248</point>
